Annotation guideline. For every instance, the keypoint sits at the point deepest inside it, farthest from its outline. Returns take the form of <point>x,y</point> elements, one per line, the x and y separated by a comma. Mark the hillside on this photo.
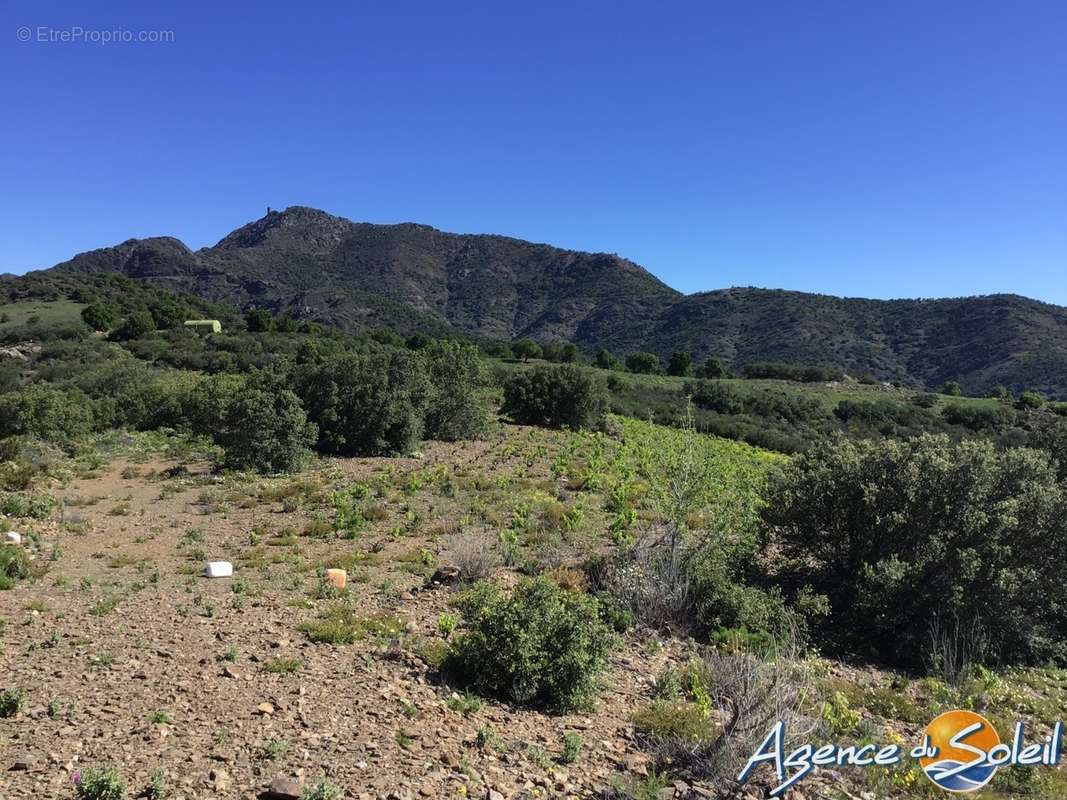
<point>312,265</point>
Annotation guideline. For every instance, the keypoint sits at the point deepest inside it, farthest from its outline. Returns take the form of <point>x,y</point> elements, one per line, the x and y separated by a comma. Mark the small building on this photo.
<point>204,325</point>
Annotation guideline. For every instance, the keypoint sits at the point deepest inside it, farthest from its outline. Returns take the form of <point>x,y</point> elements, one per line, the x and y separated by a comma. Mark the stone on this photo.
<point>338,577</point>
<point>220,779</point>
<point>283,788</point>
<point>265,708</point>
<point>446,573</point>
<point>13,537</point>
<point>218,569</point>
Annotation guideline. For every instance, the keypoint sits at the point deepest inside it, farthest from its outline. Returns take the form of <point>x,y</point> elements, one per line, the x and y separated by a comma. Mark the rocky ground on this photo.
<point>127,656</point>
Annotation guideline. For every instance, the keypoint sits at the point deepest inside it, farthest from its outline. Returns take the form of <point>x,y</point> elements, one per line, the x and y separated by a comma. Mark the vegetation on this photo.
<point>99,783</point>
<point>898,534</point>
<point>555,397</point>
<point>541,646</point>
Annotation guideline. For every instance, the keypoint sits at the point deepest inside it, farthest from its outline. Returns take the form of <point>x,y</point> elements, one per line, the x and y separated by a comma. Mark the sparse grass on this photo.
<point>665,720</point>
<point>466,703</point>
<point>321,790</point>
<point>342,625</point>
<point>105,605</point>
<point>273,748</point>
<point>283,666</point>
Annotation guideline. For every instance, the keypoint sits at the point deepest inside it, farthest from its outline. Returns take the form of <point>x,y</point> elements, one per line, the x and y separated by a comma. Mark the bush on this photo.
<point>134,326</point>
<point>526,349</point>
<point>643,363</point>
<point>555,397</point>
<point>266,430</point>
<point>542,646</point>
<point>680,365</point>
<point>952,389</point>
<point>11,702</point>
<point>99,783</point>
<point>41,410</point>
<point>791,372</point>
<point>366,404</point>
<point>899,532</point>
<point>976,417</point>
<point>605,360</point>
<point>454,410</point>
<point>99,316</point>
<point>713,368</point>
<point>14,565</point>
<point>1030,400</point>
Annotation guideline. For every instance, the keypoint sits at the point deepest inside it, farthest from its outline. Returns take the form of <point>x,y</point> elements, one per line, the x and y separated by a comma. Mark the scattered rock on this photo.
<point>13,537</point>
<point>283,788</point>
<point>265,708</point>
<point>446,573</point>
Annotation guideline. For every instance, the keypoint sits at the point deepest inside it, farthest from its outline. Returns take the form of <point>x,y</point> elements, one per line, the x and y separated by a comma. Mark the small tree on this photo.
<point>526,349</point>
<point>99,316</point>
<point>605,360</point>
<point>42,410</point>
<point>135,326</point>
<point>643,363</point>
<point>566,396</point>
<point>454,410</point>
<point>680,365</point>
<point>714,368</point>
<point>952,389</point>
<point>897,532</point>
<point>259,320</point>
<point>366,403</point>
<point>266,431</point>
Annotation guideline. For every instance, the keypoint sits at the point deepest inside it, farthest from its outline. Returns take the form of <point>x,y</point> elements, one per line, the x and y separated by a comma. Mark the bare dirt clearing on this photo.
<point>128,656</point>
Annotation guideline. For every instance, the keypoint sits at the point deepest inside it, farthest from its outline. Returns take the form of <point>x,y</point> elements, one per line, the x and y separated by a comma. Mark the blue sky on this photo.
<point>881,149</point>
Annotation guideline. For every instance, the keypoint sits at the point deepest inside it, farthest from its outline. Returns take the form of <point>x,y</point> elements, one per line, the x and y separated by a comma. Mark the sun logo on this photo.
<point>959,743</point>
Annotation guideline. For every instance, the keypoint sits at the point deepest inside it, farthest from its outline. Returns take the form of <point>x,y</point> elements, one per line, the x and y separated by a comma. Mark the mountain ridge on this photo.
<point>311,264</point>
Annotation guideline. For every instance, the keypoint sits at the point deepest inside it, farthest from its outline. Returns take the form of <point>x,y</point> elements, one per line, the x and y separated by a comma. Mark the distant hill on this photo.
<point>312,265</point>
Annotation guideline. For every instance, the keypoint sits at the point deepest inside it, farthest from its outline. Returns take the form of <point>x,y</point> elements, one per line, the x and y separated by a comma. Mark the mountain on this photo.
<point>310,264</point>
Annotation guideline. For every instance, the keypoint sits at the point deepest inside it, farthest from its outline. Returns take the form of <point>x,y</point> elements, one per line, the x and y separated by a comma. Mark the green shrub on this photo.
<point>454,409</point>
<point>900,533</point>
<point>366,403</point>
<point>643,363</point>
<point>680,365</point>
<point>11,702</point>
<point>541,646</point>
<point>266,430</point>
<point>99,783</point>
<point>791,372</point>
<point>321,790</point>
<point>977,418</point>
<point>566,396</point>
<point>14,565</point>
<point>35,505</point>
<point>99,316</point>
<point>134,326</point>
<point>46,412</point>
<point>1030,400</point>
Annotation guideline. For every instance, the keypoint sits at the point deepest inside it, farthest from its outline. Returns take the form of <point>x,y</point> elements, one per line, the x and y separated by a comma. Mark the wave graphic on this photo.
<point>966,781</point>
